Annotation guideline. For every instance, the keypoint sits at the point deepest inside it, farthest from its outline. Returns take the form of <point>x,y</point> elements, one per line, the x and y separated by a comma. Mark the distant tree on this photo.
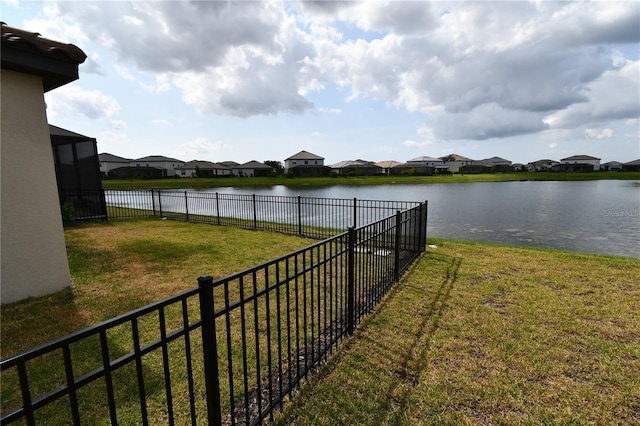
<point>277,166</point>
<point>198,172</point>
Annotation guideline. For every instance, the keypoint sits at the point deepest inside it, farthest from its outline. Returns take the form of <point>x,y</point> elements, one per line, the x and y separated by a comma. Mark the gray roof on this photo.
<point>543,161</point>
<point>493,160</point>
<point>158,158</point>
<point>633,163</point>
<point>455,157</point>
<point>304,155</point>
<point>579,157</point>
<point>202,165</point>
<point>106,157</point>
<point>348,163</point>
<point>253,164</point>
<point>424,159</point>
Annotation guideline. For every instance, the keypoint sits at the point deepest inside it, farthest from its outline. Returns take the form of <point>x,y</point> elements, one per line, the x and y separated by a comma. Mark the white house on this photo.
<point>34,255</point>
<point>611,166</point>
<point>582,159</point>
<point>158,162</point>
<point>109,162</point>
<point>540,165</point>
<point>453,162</point>
<point>436,163</point>
<point>303,158</point>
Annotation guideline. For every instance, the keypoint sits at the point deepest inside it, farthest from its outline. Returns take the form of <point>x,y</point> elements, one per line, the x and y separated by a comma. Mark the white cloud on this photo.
<point>318,135</point>
<point>202,146</point>
<point>75,101</point>
<point>599,133</point>
<point>416,144</point>
<point>118,124</point>
<point>124,72</point>
<point>477,70</point>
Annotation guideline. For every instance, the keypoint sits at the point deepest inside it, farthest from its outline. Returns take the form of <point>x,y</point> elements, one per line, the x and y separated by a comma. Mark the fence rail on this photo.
<point>227,352</point>
<point>309,216</point>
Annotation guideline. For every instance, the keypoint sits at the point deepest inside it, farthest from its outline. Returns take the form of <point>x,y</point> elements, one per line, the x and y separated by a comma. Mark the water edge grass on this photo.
<point>192,183</point>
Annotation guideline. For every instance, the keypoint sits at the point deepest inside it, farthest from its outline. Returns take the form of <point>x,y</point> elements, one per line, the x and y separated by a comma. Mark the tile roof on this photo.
<point>203,165</point>
<point>388,164</point>
<point>304,155</point>
<point>159,158</point>
<point>455,157</point>
<point>579,157</point>
<point>27,52</point>
<point>252,165</point>
<point>424,159</point>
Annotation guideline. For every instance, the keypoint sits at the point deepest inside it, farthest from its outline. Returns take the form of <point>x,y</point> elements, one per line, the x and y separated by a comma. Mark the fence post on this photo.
<point>210,350</point>
<point>186,204</point>
<point>351,285</point>
<point>299,215</point>
<point>355,212</point>
<point>255,213</point>
<point>153,201</point>
<point>160,201</point>
<point>396,260</point>
<point>424,234</point>
<point>218,208</point>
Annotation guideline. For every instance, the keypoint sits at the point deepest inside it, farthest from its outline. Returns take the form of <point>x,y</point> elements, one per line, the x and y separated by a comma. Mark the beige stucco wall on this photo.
<point>32,248</point>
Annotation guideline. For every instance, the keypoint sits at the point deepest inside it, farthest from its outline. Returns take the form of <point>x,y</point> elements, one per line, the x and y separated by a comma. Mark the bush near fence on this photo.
<point>241,344</point>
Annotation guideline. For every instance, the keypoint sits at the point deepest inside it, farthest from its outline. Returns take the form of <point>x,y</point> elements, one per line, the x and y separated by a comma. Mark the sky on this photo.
<point>374,80</point>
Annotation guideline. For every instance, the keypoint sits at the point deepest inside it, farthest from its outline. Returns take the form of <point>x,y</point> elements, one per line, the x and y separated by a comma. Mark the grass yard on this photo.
<point>120,266</point>
<point>473,334</point>
<point>487,334</point>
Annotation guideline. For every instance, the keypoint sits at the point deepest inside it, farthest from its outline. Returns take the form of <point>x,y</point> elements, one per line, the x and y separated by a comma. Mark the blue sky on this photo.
<point>369,80</point>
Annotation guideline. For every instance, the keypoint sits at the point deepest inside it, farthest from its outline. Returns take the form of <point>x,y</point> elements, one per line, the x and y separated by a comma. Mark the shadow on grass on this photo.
<point>423,338</point>
<point>384,360</point>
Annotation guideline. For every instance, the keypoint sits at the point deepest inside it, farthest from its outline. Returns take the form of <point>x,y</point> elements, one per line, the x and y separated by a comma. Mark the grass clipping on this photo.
<point>486,334</point>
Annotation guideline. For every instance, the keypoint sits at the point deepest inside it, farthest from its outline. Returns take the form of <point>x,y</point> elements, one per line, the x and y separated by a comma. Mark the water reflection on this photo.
<point>594,216</point>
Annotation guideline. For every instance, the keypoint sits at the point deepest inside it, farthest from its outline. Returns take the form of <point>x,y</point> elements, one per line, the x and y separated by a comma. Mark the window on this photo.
<point>306,162</point>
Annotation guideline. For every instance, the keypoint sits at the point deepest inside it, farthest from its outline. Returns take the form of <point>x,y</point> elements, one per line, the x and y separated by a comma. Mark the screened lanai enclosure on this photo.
<point>78,175</point>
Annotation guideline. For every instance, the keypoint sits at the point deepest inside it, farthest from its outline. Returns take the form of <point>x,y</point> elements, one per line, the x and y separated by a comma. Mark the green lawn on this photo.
<point>473,334</point>
<point>356,180</point>
<point>488,334</point>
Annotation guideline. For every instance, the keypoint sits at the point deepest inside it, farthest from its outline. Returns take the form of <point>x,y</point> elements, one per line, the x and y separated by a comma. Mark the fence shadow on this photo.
<point>408,330</point>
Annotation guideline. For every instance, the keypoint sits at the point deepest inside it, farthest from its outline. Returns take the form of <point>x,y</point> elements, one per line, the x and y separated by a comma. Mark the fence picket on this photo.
<point>321,292</point>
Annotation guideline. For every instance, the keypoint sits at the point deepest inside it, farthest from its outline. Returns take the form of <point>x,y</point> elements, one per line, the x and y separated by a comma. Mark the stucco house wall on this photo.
<point>303,158</point>
<point>34,256</point>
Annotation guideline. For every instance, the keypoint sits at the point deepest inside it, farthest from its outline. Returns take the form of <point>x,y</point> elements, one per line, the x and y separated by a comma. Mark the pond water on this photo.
<point>600,216</point>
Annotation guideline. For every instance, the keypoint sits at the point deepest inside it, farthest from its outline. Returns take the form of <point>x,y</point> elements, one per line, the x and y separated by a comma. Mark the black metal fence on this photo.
<point>227,352</point>
<point>309,216</point>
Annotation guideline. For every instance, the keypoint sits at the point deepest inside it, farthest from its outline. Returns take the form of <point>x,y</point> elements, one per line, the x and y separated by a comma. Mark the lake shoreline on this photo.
<point>319,182</point>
